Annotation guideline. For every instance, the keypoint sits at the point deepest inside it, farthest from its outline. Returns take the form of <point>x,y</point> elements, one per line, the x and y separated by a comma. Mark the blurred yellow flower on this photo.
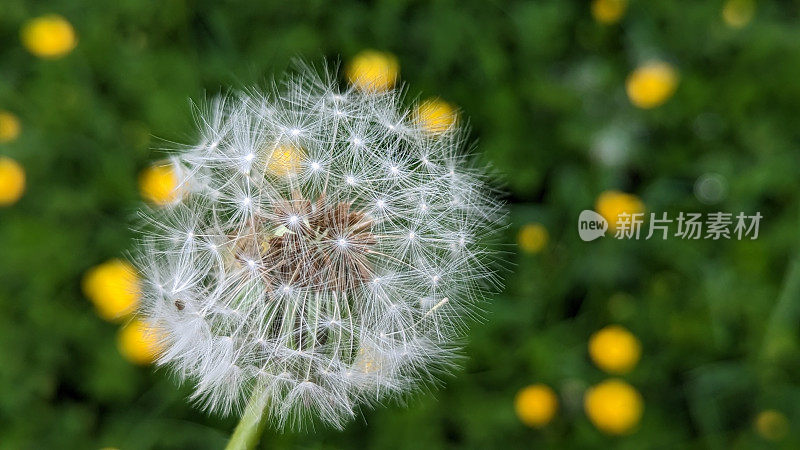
<point>285,160</point>
<point>113,288</point>
<point>772,425</point>
<point>368,360</point>
<point>613,406</point>
<point>49,36</point>
<point>435,115</point>
<point>12,181</point>
<point>372,70</point>
<point>615,349</point>
<point>651,84</point>
<point>139,343</point>
<point>536,405</point>
<point>610,204</point>
<point>609,12</point>
<point>159,184</point>
<point>532,238</point>
<point>738,13</point>
<point>9,126</point>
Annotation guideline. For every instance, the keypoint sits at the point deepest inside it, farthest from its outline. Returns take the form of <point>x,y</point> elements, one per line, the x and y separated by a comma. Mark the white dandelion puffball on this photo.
<point>325,251</point>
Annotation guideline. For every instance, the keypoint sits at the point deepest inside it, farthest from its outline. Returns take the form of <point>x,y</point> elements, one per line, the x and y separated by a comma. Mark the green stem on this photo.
<point>251,425</point>
<point>779,334</point>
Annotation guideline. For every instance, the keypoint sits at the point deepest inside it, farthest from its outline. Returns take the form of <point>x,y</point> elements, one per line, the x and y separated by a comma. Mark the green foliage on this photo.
<point>543,84</point>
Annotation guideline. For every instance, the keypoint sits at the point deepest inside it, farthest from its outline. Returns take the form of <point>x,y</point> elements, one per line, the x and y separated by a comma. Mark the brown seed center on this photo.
<point>320,245</point>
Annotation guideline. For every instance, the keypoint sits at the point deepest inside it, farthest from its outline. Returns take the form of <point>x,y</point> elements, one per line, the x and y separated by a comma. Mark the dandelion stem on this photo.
<point>251,425</point>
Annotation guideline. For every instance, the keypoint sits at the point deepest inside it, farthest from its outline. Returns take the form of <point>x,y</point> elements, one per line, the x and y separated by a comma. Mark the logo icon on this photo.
<point>591,225</point>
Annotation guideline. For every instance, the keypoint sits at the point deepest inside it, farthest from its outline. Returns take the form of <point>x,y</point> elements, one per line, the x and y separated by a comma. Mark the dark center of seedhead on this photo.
<point>320,245</point>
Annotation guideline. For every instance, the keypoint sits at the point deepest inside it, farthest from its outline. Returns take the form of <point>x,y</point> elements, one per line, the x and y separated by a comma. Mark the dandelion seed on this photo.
<point>319,272</point>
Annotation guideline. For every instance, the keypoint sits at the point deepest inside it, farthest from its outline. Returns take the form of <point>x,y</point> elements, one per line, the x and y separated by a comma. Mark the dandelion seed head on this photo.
<point>316,255</point>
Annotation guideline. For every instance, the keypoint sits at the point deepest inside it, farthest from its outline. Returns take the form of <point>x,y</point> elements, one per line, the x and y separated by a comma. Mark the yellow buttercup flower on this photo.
<point>373,71</point>
<point>610,204</point>
<point>113,288</point>
<point>139,343</point>
<point>613,406</point>
<point>738,13</point>
<point>435,116</point>
<point>285,160</point>
<point>652,84</point>
<point>615,349</point>
<point>50,36</point>
<point>12,181</point>
<point>532,238</point>
<point>536,405</point>
<point>609,12</point>
<point>9,127</point>
<point>772,425</point>
<point>159,184</point>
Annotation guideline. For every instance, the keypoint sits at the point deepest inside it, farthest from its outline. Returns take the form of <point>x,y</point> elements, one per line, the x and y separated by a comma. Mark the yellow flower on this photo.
<point>610,204</point>
<point>159,184</point>
<point>50,36</point>
<point>9,127</point>
<point>615,349</point>
<point>738,13</point>
<point>608,12</point>
<point>368,360</point>
<point>373,71</point>
<point>113,288</point>
<point>139,343</point>
<point>536,405</point>
<point>285,160</point>
<point>613,406</point>
<point>532,238</point>
<point>652,84</point>
<point>12,181</point>
<point>772,425</point>
<point>435,115</point>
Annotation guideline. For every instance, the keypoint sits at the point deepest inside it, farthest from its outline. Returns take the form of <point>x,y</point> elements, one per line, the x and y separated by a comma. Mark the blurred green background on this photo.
<point>543,84</point>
